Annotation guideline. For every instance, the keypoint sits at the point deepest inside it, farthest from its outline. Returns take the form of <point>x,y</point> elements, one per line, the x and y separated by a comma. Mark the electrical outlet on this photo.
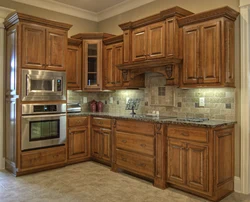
<point>85,99</point>
<point>117,102</point>
<point>228,106</point>
<point>179,104</point>
<point>201,102</point>
<point>111,100</point>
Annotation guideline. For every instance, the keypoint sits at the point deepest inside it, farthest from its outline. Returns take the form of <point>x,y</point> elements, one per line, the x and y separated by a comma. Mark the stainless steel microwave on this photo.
<point>42,85</point>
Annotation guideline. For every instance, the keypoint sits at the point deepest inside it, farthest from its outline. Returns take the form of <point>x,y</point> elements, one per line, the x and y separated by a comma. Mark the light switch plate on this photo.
<point>127,98</point>
<point>201,102</point>
<point>85,99</point>
<point>111,100</point>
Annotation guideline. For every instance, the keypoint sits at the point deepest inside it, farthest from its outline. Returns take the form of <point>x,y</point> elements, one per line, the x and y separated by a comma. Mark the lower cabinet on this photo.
<point>201,160</point>
<point>78,139</point>
<point>101,139</point>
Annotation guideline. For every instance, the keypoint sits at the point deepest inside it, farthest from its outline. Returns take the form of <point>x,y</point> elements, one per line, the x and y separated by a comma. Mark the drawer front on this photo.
<point>102,122</point>
<point>135,127</point>
<point>135,162</point>
<point>138,143</point>
<point>77,121</point>
<point>188,133</point>
<point>43,158</point>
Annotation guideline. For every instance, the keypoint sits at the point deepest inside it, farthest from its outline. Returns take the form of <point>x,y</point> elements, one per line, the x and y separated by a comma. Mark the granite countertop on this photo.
<point>160,119</point>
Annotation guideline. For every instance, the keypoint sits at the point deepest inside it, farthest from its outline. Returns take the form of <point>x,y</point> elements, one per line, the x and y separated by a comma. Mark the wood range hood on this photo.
<point>163,66</point>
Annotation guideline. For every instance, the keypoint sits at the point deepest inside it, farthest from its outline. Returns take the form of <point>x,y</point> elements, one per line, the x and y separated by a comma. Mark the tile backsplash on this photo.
<point>171,101</point>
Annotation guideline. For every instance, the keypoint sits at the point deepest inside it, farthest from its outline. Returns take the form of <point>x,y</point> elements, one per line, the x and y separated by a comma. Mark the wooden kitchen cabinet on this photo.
<point>43,47</point>
<point>113,55</point>
<point>101,140</point>
<point>92,56</point>
<point>208,48</point>
<point>201,160</point>
<point>148,42</point>
<point>74,64</point>
<point>78,139</point>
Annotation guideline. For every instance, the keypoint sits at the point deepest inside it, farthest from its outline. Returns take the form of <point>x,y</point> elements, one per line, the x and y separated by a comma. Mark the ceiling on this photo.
<point>91,5</point>
<point>94,10</point>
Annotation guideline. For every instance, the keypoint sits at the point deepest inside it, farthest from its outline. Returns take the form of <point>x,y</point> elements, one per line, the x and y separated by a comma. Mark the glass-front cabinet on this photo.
<point>92,57</point>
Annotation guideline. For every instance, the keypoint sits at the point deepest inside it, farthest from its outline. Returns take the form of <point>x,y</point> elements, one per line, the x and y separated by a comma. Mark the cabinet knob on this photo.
<point>142,145</point>
<point>124,141</point>
<point>141,164</point>
<point>100,122</point>
<point>184,134</point>
<point>124,159</point>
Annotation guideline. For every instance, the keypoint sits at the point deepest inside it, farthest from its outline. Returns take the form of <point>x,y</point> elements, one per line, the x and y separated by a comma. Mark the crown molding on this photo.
<point>85,14</point>
<point>61,8</point>
<point>121,8</point>
<point>244,3</point>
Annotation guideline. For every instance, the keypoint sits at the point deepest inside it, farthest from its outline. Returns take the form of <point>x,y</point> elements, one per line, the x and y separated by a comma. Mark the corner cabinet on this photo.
<point>92,77</point>
<point>43,47</point>
<point>208,49</point>
<point>74,64</point>
<point>201,160</point>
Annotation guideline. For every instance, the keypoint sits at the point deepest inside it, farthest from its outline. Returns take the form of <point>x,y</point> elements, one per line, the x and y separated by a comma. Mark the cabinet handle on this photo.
<point>184,134</point>
<point>124,159</point>
<point>142,145</point>
<point>112,82</point>
<point>177,147</point>
<point>124,141</point>
<point>78,121</point>
<point>141,164</point>
<point>100,122</point>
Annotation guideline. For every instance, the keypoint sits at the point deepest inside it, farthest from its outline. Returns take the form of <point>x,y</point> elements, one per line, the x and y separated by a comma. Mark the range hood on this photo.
<point>163,66</point>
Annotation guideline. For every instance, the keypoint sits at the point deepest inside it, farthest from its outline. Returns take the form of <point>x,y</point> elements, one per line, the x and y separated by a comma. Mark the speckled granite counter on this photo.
<point>161,119</point>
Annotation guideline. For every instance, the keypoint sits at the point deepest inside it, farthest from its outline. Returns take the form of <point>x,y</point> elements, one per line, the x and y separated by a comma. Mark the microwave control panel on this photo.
<point>59,85</point>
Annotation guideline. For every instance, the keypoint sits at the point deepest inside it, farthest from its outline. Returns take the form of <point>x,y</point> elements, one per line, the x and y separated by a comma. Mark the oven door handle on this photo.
<point>44,116</point>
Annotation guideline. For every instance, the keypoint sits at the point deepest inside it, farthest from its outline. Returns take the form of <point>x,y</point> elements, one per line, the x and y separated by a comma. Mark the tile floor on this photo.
<point>88,182</point>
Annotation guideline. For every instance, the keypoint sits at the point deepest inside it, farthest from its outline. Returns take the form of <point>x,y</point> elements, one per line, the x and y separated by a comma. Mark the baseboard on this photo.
<point>2,163</point>
<point>237,184</point>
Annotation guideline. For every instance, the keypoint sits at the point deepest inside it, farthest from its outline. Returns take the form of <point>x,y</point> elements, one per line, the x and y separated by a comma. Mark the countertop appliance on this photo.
<point>43,125</point>
<point>41,85</point>
<point>74,107</point>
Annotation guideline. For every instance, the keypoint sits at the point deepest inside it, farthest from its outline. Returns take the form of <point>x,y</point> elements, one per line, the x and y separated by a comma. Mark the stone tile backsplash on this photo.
<point>171,101</point>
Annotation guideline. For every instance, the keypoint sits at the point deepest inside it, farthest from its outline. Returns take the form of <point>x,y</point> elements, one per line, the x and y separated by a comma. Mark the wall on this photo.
<point>79,25</point>
<point>111,26</point>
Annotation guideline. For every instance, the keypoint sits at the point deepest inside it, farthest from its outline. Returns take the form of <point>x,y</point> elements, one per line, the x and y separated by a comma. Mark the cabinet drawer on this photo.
<point>43,157</point>
<point>77,121</point>
<point>135,127</point>
<point>102,122</point>
<point>188,133</point>
<point>138,143</point>
<point>135,162</point>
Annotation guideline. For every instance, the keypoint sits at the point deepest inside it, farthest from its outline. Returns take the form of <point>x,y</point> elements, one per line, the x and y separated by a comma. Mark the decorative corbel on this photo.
<point>169,71</point>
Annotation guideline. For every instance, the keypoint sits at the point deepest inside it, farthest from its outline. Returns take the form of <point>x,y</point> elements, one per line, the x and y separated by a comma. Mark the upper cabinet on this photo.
<point>153,44</point>
<point>74,64</point>
<point>92,77</point>
<point>208,48</point>
<point>43,43</point>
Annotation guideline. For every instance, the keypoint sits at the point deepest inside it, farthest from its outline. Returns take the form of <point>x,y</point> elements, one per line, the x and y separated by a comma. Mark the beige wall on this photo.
<point>79,25</point>
<point>111,26</point>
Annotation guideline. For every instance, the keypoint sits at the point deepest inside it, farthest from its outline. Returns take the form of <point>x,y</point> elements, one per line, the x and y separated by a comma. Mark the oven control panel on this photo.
<point>45,108</point>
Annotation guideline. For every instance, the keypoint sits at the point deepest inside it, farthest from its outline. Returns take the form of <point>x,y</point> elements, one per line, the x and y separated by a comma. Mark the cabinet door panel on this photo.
<point>156,40</point>
<point>96,142</point>
<point>33,46</point>
<point>56,49</point>
<point>210,52</point>
<point>191,56</point>
<point>106,149</point>
<point>176,159</point>
<point>118,58</point>
<point>109,76</point>
<point>139,44</point>
<point>197,167</point>
<point>74,68</point>
<point>78,142</point>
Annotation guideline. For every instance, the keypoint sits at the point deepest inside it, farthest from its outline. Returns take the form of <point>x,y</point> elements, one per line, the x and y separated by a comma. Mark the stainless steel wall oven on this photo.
<point>43,125</point>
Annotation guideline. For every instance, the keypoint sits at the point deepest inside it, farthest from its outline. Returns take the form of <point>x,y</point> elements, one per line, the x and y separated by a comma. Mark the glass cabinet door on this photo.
<point>92,64</point>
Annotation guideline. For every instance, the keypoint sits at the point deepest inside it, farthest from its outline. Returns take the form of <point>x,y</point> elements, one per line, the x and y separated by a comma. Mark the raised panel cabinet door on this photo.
<point>118,59</point>
<point>210,57</point>
<point>139,44</point>
<point>96,141</point>
<point>74,68</point>
<point>191,54</point>
<point>106,146</point>
<point>156,40</point>
<point>176,161</point>
<point>197,167</point>
<point>78,140</point>
<point>33,46</point>
<point>109,74</point>
<point>56,49</point>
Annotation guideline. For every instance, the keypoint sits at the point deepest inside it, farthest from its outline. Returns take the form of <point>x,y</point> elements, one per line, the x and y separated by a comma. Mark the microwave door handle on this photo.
<point>44,116</point>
